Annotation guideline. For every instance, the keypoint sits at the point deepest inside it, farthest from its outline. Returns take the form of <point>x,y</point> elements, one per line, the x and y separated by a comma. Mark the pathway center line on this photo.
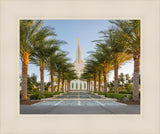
<point>58,103</point>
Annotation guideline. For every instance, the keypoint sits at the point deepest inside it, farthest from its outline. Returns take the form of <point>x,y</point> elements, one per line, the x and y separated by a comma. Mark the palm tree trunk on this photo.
<point>89,85</point>
<point>116,78</point>
<point>105,82</point>
<point>42,77</point>
<point>68,85</point>
<point>94,82</point>
<point>25,60</point>
<point>99,82</point>
<point>63,84</point>
<point>59,75</point>
<point>136,57</point>
<point>52,81</point>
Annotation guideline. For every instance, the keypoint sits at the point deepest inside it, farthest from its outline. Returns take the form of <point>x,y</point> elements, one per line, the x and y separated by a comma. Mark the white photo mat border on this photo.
<point>13,11</point>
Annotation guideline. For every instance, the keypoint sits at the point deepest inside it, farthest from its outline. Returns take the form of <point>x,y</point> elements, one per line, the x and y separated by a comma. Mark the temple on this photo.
<point>79,65</point>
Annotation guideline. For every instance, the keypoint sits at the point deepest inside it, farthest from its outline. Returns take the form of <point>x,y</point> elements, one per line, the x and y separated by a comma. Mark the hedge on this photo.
<point>36,96</point>
<point>117,96</point>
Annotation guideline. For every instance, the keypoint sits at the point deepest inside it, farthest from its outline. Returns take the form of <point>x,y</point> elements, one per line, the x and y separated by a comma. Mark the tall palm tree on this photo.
<point>29,31</point>
<point>92,68</point>
<point>41,53</point>
<point>60,63</point>
<point>118,54</point>
<point>86,76</point>
<point>67,67</point>
<point>116,50</point>
<point>98,68</point>
<point>131,35</point>
<point>70,75</point>
<point>54,53</point>
<point>51,64</point>
<point>103,57</point>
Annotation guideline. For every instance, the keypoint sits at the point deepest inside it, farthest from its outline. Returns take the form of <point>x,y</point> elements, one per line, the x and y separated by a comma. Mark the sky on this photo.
<point>87,31</point>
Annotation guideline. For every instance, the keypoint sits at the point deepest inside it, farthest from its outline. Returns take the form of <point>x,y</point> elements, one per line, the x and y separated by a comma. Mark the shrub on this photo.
<point>129,87</point>
<point>37,91</point>
<point>47,94</point>
<point>130,97</point>
<point>110,95</point>
<point>111,91</point>
<point>117,96</point>
<point>124,92</point>
<point>36,96</point>
<point>56,93</point>
<point>29,91</point>
<point>101,93</point>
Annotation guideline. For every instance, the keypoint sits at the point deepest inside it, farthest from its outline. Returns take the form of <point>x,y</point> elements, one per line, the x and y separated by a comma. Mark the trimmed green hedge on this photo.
<point>47,94</point>
<point>120,96</point>
<point>117,96</point>
<point>130,97</point>
<point>124,92</point>
<point>113,95</point>
<point>111,91</point>
<point>102,93</point>
<point>36,96</point>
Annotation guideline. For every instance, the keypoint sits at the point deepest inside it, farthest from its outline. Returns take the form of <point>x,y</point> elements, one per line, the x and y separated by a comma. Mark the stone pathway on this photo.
<point>79,96</point>
<point>79,103</point>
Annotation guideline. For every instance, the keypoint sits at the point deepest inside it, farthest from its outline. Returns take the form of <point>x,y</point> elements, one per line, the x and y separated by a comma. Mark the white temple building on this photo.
<point>79,65</point>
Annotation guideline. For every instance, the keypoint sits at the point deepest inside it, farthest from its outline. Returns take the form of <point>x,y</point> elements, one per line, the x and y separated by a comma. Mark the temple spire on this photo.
<point>79,54</point>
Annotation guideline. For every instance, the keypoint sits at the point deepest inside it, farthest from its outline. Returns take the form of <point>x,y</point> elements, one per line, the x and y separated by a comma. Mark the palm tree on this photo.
<point>115,48</point>
<point>131,39</point>
<point>86,77</point>
<point>31,81</point>
<point>51,67</point>
<point>127,78</point>
<point>52,58</point>
<point>91,68</point>
<point>121,79</point>
<point>99,69</point>
<point>60,63</point>
<point>29,31</point>
<point>103,57</point>
<point>70,75</point>
<point>41,53</point>
<point>67,67</point>
<point>99,66</point>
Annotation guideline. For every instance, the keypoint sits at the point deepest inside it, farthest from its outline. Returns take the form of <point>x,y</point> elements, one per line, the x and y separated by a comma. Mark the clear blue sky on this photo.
<point>87,31</point>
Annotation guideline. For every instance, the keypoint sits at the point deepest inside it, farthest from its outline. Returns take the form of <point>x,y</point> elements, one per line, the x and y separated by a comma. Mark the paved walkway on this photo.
<point>97,109</point>
<point>79,103</point>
